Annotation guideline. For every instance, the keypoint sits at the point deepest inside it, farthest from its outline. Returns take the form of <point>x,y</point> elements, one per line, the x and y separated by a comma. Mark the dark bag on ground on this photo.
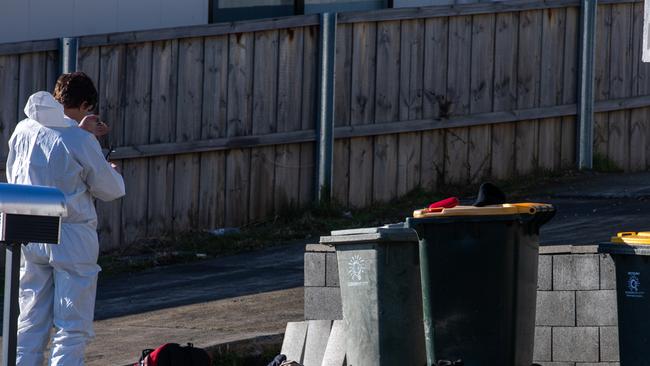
<point>173,354</point>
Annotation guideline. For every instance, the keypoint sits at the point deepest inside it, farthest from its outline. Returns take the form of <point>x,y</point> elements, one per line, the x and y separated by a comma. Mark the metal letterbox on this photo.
<point>28,214</point>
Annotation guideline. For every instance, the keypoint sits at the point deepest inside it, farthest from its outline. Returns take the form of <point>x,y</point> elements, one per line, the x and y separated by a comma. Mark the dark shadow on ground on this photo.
<point>266,270</point>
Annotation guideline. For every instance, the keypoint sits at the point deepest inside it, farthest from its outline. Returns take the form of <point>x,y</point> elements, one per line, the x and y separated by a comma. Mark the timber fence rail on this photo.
<point>215,125</point>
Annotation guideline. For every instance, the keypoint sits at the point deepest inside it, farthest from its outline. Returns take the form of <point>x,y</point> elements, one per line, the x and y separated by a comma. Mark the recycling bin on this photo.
<point>631,254</point>
<point>479,282</point>
<point>379,277</point>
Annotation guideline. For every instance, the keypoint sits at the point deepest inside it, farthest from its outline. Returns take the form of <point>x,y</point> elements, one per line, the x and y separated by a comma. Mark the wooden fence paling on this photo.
<point>362,111</point>
<point>240,85</point>
<point>9,81</point>
<point>163,129</point>
<point>620,84</point>
<point>386,110</point>
<point>505,93</point>
<point>569,88</point>
<point>458,97</point>
<point>137,108</point>
<point>528,79</point>
<point>220,129</point>
<point>551,81</point>
<point>480,137</point>
<point>434,89</point>
<point>601,78</point>
<point>111,90</point>
<point>264,121</point>
<point>410,104</point>
<point>287,157</point>
<point>309,98</point>
<point>188,128</point>
<point>212,184</point>
<point>342,100</point>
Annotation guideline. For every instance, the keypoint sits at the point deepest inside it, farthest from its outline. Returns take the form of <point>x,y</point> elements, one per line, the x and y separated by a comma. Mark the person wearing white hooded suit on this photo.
<point>58,282</point>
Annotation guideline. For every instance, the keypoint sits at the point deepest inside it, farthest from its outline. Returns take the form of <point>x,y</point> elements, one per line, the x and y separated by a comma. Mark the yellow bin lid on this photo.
<point>492,210</point>
<point>632,237</point>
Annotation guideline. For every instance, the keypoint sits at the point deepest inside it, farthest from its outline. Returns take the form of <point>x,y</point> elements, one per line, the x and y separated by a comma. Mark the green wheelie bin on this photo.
<point>379,276</point>
<point>479,282</point>
<point>631,254</point>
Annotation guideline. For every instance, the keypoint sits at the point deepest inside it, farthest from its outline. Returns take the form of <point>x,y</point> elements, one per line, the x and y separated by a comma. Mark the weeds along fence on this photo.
<point>215,125</point>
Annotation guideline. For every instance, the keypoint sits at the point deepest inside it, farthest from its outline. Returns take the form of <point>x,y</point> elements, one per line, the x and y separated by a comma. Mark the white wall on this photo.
<point>25,20</point>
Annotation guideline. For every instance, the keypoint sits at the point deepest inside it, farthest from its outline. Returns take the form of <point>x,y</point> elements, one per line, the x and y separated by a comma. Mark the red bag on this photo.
<point>173,354</point>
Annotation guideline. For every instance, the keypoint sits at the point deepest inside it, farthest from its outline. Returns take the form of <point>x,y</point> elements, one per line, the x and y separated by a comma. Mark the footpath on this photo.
<point>248,298</point>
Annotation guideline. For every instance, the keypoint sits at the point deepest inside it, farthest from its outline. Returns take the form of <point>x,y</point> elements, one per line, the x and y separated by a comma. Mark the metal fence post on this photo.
<point>68,50</point>
<point>585,154</point>
<point>325,119</point>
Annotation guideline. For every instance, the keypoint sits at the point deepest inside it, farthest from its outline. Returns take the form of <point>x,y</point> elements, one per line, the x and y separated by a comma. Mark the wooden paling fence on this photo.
<point>215,125</point>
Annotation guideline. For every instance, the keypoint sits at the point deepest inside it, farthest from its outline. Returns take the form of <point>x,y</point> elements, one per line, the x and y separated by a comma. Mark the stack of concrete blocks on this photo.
<point>576,303</point>
<point>576,308</point>
<point>322,292</point>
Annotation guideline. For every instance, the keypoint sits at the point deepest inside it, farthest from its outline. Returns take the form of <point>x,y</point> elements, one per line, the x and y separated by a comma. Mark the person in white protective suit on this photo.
<point>58,282</point>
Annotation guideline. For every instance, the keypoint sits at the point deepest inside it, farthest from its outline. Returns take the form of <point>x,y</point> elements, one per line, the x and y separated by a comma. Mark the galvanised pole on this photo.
<point>325,121</point>
<point>68,50</point>
<point>586,82</point>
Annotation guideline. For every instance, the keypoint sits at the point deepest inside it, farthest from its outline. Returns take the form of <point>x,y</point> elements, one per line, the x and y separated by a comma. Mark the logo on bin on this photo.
<point>356,270</point>
<point>633,284</point>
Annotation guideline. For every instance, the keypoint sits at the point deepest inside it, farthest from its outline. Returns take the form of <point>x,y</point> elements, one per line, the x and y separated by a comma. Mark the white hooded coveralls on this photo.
<point>58,282</point>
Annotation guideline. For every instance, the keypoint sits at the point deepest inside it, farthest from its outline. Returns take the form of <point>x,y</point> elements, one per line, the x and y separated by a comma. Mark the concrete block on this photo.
<point>597,364</point>
<point>543,339</point>
<point>575,344</point>
<point>556,363</point>
<point>584,249</point>
<point>545,273</point>
<point>318,333</point>
<point>319,248</point>
<point>293,344</point>
<point>607,273</point>
<point>323,303</point>
<point>596,308</point>
<point>609,350</point>
<point>332,270</point>
<point>555,308</point>
<point>576,272</point>
<point>335,350</point>
<point>555,249</point>
<point>315,269</point>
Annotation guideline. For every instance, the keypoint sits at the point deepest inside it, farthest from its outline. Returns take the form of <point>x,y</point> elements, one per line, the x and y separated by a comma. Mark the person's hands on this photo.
<point>92,124</point>
<point>102,129</point>
<point>115,166</point>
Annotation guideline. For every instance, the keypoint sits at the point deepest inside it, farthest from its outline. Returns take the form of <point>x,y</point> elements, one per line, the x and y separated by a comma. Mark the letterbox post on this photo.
<point>11,310</point>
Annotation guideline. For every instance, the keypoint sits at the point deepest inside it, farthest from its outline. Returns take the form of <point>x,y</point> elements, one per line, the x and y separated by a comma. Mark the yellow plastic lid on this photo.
<point>632,237</point>
<point>492,210</point>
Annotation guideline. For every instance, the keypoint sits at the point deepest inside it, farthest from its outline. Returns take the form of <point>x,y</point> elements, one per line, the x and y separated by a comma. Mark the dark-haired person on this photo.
<point>58,282</point>
<point>77,93</point>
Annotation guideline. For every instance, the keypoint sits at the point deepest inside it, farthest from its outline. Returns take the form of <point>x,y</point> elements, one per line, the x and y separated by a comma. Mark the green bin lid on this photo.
<point>396,233</point>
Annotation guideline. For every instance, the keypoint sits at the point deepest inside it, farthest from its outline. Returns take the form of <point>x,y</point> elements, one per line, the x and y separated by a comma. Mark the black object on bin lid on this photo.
<point>489,194</point>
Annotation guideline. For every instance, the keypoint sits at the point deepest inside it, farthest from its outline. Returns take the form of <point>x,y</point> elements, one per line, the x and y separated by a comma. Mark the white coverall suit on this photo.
<point>58,282</point>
